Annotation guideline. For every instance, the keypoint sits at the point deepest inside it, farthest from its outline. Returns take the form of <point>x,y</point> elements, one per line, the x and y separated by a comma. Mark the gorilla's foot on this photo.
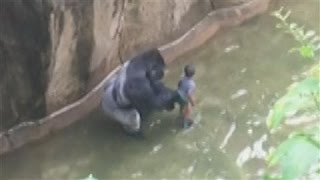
<point>135,134</point>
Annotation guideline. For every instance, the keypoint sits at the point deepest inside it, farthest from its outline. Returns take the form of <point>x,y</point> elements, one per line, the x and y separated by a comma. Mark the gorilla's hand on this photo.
<point>169,106</point>
<point>164,95</point>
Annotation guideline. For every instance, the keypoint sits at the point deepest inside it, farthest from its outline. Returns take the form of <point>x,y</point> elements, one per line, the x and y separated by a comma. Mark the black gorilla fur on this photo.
<point>137,90</point>
<point>145,91</point>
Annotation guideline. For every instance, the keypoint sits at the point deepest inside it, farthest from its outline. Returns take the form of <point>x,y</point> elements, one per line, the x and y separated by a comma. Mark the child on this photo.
<point>186,88</point>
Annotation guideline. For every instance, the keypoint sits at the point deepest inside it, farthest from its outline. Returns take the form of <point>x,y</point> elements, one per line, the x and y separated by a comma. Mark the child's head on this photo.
<point>189,70</point>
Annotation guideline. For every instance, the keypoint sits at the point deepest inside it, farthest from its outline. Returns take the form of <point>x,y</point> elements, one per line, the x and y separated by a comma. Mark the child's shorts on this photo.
<point>182,99</point>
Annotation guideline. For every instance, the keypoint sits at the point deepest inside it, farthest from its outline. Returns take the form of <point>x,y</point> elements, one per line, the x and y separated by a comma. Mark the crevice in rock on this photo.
<point>119,31</point>
<point>213,7</point>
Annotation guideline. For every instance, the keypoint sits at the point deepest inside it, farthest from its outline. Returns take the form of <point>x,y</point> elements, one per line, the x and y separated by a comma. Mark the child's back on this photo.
<point>186,86</point>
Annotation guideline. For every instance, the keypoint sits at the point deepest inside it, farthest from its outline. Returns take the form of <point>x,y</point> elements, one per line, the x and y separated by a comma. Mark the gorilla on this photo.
<point>136,91</point>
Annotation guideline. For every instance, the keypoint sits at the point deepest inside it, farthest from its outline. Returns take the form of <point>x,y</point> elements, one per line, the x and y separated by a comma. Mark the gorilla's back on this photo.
<point>140,64</point>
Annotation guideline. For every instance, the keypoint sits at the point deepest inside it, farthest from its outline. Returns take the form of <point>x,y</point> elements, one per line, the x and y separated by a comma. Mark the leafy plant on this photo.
<point>301,150</point>
<point>296,154</point>
<point>308,40</point>
<point>301,97</point>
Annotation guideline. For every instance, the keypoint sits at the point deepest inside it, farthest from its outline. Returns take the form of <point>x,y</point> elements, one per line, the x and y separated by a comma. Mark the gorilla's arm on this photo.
<point>142,96</point>
<point>164,95</point>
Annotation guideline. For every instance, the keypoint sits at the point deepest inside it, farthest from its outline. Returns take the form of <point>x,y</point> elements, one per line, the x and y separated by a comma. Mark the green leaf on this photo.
<point>295,156</point>
<point>307,51</point>
<point>314,71</point>
<point>271,177</point>
<point>300,97</point>
<point>313,135</point>
<point>276,115</point>
<point>309,84</point>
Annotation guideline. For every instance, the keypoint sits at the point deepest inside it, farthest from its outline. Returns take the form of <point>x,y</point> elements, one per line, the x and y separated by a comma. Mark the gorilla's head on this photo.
<point>155,74</point>
<point>150,60</point>
<point>154,60</point>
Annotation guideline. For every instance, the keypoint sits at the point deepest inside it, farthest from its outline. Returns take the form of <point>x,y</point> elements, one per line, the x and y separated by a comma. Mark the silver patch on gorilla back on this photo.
<point>129,118</point>
<point>121,79</point>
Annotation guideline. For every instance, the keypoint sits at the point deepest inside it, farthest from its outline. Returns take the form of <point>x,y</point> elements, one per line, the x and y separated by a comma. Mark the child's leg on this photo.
<point>186,111</point>
<point>187,121</point>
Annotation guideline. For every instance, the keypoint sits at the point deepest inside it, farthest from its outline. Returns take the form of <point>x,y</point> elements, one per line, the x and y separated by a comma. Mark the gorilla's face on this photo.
<point>155,74</point>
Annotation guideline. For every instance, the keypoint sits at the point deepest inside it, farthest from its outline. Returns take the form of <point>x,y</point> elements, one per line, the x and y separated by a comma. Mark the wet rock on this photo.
<point>22,133</point>
<point>4,143</point>
<point>227,3</point>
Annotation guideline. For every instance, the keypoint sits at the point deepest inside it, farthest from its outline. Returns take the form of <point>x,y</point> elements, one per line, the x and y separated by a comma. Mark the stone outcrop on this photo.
<point>24,40</point>
<point>103,60</point>
<point>71,30</point>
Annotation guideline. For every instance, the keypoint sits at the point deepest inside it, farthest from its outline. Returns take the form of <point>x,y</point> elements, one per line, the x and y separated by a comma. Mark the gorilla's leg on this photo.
<point>129,117</point>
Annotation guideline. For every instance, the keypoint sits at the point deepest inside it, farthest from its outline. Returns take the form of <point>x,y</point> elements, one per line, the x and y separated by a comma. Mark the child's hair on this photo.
<point>189,70</point>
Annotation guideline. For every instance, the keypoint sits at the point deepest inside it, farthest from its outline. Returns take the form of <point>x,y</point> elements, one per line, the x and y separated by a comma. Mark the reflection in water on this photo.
<point>256,151</point>
<point>229,134</point>
<point>239,93</point>
<point>231,48</point>
<point>239,75</point>
<point>156,149</point>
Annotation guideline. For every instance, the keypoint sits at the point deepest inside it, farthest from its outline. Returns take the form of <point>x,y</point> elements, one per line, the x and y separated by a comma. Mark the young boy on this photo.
<point>186,88</point>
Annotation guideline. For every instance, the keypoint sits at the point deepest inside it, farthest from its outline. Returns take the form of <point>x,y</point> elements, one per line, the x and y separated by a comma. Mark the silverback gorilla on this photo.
<point>136,91</point>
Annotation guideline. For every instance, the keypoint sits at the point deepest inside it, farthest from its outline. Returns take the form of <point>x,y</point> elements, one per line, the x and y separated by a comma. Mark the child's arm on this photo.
<point>191,98</point>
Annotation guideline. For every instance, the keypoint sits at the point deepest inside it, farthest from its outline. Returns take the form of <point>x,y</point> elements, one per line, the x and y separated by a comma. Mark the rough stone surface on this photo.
<point>72,41</point>
<point>227,3</point>
<point>22,133</point>
<point>124,27</point>
<point>24,39</point>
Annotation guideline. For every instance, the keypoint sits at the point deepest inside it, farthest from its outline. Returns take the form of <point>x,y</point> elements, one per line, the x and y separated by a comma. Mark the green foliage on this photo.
<point>301,97</point>
<point>305,51</point>
<point>308,40</point>
<point>90,177</point>
<point>301,150</point>
<point>296,155</point>
<point>314,71</point>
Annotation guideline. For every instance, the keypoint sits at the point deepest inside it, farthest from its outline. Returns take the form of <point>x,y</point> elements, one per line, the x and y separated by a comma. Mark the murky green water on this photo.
<point>239,75</point>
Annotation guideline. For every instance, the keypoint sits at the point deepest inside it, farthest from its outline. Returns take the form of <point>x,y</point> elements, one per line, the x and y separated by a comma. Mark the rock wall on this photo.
<point>54,52</point>
<point>24,39</point>
<point>71,30</point>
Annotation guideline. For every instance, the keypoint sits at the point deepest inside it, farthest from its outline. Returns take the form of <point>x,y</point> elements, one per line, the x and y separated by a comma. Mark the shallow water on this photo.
<point>239,74</point>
